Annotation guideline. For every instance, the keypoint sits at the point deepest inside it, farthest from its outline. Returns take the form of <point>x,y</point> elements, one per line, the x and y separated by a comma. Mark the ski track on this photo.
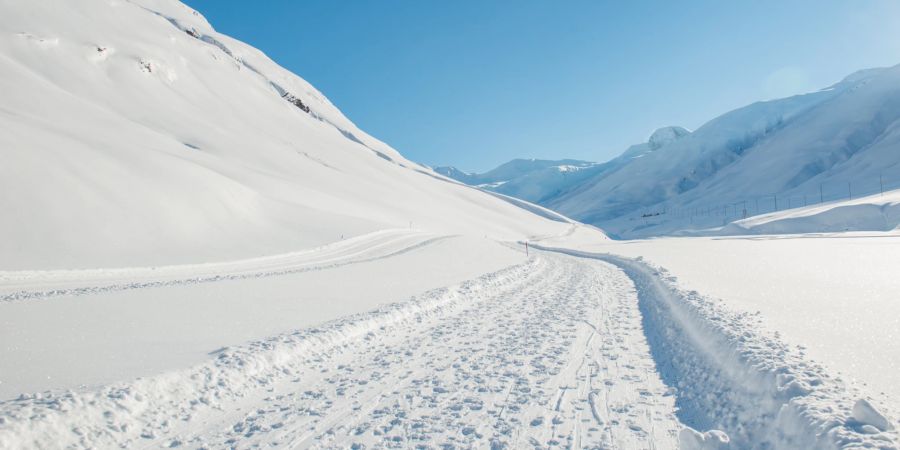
<point>369,248</point>
<point>549,353</point>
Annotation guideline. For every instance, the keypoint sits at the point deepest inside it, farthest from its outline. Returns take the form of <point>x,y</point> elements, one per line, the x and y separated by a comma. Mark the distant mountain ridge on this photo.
<point>534,180</point>
<point>804,145</point>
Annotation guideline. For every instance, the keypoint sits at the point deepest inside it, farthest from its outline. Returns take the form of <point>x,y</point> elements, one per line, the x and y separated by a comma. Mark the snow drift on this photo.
<point>872,213</point>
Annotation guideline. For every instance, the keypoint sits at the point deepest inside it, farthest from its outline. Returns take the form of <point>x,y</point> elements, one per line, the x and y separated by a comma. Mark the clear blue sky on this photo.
<point>474,83</point>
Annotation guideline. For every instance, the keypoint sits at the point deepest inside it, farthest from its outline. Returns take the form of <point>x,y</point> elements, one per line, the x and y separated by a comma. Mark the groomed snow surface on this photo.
<point>555,349</point>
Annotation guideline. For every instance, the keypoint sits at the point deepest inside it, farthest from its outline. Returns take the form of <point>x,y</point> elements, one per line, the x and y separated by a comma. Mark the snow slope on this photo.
<point>134,134</point>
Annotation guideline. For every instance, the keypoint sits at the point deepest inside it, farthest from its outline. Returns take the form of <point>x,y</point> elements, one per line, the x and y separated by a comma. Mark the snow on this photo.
<point>879,212</point>
<point>842,286</point>
<point>730,376</point>
<point>818,146</point>
<point>665,136</point>
<point>512,357</point>
<point>172,317</point>
<point>203,251</point>
<point>130,142</point>
<point>534,180</point>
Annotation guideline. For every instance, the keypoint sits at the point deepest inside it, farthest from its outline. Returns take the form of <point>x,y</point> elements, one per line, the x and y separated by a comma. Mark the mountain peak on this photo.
<point>665,135</point>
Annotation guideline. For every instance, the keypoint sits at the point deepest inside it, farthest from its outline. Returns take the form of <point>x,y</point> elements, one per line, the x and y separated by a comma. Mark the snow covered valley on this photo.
<point>199,250</point>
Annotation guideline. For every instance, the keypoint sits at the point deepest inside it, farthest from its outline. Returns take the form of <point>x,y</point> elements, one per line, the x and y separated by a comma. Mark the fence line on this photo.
<point>723,213</point>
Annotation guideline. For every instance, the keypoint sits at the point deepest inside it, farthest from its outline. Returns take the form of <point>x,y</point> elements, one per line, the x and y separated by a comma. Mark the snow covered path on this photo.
<point>553,358</point>
<point>575,350</point>
<point>549,352</point>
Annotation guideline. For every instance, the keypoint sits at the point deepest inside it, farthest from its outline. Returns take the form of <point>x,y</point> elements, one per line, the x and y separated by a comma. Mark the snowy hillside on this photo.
<point>534,180</point>
<point>135,134</point>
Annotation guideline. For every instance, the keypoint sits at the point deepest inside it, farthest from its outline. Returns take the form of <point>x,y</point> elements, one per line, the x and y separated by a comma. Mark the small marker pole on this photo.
<point>526,248</point>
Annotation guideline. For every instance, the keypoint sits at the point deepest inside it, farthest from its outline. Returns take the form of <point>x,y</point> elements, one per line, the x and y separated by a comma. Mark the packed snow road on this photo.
<point>554,357</point>
<point>546,353</point>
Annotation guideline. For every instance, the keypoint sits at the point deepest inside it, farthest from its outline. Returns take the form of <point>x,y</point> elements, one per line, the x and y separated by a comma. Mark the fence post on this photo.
<point>821,197</point>
<point>849,191</point>
<point>775,196</point>
<point>881,183</point>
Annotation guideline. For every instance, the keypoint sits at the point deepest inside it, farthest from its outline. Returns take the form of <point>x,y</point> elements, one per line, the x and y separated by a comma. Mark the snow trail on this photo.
<point>30,285</point>
<point>547,353</point>
<point>728,376</point>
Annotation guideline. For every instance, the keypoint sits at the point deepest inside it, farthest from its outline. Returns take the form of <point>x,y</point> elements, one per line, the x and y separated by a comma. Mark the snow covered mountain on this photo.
<point>820,146</point>
<point>135,134</point>
<point>809,145</point>
<point>534,180</point>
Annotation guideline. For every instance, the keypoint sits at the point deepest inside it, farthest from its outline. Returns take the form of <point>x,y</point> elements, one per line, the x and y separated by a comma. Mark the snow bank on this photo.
<point>729,376</point>
<point>872,213</point>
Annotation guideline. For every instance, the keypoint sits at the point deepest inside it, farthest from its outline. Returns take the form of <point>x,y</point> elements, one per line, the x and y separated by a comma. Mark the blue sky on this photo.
<point>474,83</point>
